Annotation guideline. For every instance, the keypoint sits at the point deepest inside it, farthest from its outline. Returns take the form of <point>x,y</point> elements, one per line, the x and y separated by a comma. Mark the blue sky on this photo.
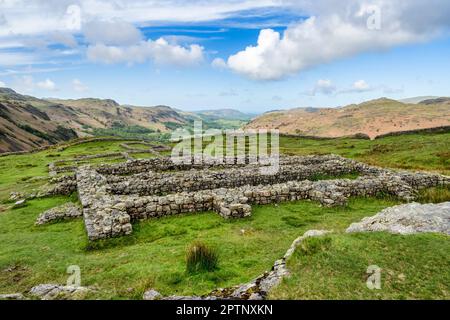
<point>254,56</point>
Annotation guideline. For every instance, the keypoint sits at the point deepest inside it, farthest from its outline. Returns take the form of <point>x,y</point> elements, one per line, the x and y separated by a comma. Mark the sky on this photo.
<point>250,55</point>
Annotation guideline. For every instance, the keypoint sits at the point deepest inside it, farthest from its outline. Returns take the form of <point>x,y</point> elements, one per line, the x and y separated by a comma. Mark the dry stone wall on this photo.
<point>66,211</point>
<point>157,183</point>
<point>111,200</point>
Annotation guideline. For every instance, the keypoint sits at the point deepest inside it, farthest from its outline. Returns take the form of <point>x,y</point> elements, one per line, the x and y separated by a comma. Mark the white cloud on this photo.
<point>2,84</point>
<point>219,63</point>
<point>64,38</point>
<point>343,32</point>
<point>24,83</point>
<point>47,84</point>
<point>323,86</point>
<point>361,85</point>
<point>79,86</point>
<point>115,32</point>
<point>25,17</point>
<point>27,84</point>
<point>159,51</point>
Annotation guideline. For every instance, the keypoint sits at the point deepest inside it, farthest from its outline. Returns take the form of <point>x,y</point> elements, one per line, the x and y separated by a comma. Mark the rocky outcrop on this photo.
<point>12,296</point>
<point>408,219</point>
<point>59,292</point>
<point>64,212</point>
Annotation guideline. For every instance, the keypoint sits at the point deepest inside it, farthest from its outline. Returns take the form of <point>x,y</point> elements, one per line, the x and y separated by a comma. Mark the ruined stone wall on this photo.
<point>104,216</point>
<point>111,203</point>
<point>156,183</point>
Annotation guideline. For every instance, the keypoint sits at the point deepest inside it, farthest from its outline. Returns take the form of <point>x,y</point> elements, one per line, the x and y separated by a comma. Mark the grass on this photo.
<point>154,255</point>
<point>27,172</point>
<point>201,258</point>
<point>334,267</point>
<point>429,152</point>
<point>434,195</point>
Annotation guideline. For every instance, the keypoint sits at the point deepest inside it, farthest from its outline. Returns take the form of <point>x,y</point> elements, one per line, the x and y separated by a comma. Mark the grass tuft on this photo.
<point>200,257</point>
<point>434,195</point>
<point>310,246</point>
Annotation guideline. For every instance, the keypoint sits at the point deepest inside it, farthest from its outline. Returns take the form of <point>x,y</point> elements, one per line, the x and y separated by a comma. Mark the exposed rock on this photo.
<point>58,292</point>
<point>408,219</point>
<point>66,211</point>
<point>12,296</point>
<point>16,196</point>
<point>152,295</point>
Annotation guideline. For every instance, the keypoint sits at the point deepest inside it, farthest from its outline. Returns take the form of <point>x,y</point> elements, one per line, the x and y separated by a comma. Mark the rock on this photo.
<point>15,196</point>
<point>408,219</point>
<point>58,292</point>
<point>152,295</point>
<point>12,296</point>
<point>19,204</point>
<point>66,211</point>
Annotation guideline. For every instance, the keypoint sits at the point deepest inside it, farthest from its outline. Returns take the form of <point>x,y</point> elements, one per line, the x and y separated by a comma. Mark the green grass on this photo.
<point>429,152</point>
<point>154,255</point>
<point>335,266</point>
<point>27,172</point>
<point>434,195</point>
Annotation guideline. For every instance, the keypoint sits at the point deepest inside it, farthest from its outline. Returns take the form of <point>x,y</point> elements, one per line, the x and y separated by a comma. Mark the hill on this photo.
<point>27,122</point>
<point>373,118</point>
<point>417,99</point>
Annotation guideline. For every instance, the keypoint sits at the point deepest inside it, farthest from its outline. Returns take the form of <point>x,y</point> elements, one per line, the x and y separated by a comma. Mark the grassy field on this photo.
<point>154,255</point>
<point>334,267</point>
<point>430,152</point>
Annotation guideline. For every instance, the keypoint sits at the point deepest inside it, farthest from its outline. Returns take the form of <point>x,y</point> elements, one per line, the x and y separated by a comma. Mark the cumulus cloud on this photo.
<point>159,51</point>
<point>219,63</point>
<point>327,87</point>
<point>79,86</point>
<point>359,86</point>
<point>348,30</point>
<point>323,86</point>
<point>47,84</point>
<point>2,84</point>
<point>27,84</point>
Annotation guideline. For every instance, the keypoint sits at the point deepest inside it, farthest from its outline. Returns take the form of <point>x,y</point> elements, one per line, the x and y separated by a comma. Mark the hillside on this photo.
<point>27,122</point>
<point>374,118</point>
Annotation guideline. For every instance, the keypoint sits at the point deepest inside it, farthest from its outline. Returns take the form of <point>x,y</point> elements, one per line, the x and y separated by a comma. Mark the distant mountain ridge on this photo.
<point>372,118</point>
<point>27,122</point>
<point>229,114</point>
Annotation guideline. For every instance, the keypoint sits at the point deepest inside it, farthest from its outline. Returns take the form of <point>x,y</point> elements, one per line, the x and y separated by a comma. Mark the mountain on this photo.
<point>27,122</point>
<point>442,100</point>
<point>416,100</point>
<point>373,118</point>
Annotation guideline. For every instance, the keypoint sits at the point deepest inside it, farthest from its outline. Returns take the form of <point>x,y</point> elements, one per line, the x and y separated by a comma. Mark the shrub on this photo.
<point>200,257</point>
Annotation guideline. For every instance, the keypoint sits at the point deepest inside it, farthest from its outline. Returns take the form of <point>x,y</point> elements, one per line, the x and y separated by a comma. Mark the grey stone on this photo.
<point>152,295</point>
<point>408,219</point>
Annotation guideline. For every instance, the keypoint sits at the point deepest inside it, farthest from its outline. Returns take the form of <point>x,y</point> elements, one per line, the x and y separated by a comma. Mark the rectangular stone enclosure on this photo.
<point>113,196</point>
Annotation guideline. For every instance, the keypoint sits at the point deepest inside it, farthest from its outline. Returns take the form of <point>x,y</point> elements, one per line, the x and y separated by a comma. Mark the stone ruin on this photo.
<point>114,196</point>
